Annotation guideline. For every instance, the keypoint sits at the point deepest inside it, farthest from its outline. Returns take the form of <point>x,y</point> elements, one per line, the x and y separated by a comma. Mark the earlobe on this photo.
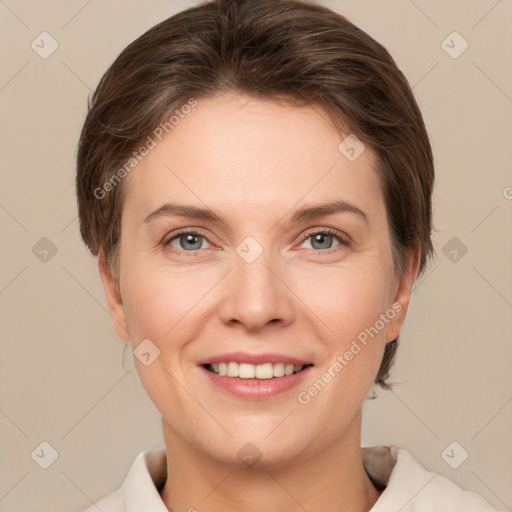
<point>113,297</point>
<point>403,294</point>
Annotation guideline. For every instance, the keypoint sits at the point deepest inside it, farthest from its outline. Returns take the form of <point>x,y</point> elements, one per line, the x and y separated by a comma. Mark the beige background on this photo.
<point>62,374</point>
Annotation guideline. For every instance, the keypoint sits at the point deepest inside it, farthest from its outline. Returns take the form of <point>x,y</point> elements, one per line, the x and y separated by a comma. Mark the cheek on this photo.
<point>350,303</point>
<point>347,300</point>
<point>162,304</point>
<point>162,307</point>
<point>148,308</point>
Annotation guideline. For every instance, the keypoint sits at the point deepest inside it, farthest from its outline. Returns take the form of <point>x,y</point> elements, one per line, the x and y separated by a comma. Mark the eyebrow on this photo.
<point>301,214</point>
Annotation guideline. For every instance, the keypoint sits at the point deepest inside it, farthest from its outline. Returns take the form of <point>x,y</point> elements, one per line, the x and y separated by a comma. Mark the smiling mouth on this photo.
<point>252,371</point>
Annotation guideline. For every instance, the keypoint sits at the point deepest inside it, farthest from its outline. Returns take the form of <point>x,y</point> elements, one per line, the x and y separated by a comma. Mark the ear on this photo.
<point>113,296</point>
<point>402,297</point>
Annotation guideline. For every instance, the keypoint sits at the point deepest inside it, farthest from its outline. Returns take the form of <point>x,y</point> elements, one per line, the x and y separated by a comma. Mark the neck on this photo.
<point>330,479</point>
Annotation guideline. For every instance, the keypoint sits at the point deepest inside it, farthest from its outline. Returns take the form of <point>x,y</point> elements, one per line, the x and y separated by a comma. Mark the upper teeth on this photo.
<point>251,371</point>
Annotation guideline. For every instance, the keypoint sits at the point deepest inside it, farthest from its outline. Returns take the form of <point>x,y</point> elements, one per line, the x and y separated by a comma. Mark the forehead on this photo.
<point>247,155</point>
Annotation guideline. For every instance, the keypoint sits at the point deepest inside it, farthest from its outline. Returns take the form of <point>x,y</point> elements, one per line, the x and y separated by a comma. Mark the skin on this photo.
<point>254,162</point>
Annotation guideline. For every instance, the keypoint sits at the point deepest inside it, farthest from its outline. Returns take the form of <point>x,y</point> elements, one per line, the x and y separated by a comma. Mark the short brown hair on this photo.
<point>289,51</point>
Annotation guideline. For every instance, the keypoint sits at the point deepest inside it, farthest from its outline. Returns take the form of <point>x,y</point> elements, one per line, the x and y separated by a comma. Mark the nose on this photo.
<point>257,294</point>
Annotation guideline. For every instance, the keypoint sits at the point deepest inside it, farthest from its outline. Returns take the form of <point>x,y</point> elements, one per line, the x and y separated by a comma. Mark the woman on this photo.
<point>256,179</point>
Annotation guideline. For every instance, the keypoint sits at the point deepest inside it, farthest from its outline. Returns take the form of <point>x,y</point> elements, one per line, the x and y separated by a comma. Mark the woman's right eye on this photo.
<point>186,241</point>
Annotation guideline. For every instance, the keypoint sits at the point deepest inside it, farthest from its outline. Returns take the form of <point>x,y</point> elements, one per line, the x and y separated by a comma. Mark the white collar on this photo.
<point>409,487</point>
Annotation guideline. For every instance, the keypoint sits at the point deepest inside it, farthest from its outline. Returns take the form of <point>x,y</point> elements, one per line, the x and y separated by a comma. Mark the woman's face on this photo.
<point>265,284</point>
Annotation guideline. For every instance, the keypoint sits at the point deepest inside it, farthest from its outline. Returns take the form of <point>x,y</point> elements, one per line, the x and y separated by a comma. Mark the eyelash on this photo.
<point>341,237</point>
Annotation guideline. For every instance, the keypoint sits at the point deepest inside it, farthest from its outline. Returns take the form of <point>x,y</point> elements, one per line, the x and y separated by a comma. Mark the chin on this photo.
<point>258,451</point>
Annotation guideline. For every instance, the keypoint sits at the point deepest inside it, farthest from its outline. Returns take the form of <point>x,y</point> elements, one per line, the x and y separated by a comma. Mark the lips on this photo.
<point>255,376</point>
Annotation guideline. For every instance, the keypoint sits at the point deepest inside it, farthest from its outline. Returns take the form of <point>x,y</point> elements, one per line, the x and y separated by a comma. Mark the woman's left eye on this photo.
<point>323,240</point>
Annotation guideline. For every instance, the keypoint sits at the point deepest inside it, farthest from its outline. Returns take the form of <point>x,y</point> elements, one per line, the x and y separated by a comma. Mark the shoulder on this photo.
<point>411,488</point>
<point>140,489</point>
<point>111,503</point>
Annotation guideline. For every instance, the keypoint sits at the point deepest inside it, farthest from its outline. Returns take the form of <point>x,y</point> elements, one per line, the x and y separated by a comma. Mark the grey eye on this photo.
<point>187,242</point>
<point>321,240</point>
<point>190,241</point>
